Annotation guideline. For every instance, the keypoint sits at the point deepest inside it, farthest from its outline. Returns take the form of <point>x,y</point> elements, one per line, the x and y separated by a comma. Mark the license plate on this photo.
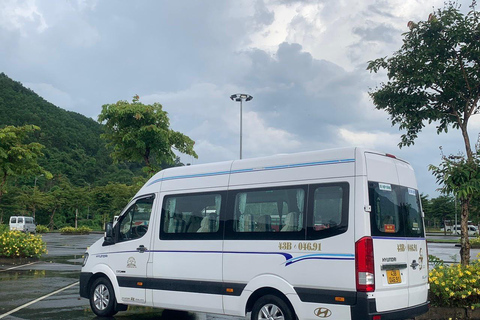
<point>393,276</point>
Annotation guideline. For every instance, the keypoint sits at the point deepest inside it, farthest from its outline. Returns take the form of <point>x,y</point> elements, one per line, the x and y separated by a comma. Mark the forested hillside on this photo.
<point>73,145</point>
<point>86,183</point>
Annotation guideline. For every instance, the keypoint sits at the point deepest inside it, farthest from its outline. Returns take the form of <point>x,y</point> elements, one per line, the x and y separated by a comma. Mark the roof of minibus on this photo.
<point>221,170</point>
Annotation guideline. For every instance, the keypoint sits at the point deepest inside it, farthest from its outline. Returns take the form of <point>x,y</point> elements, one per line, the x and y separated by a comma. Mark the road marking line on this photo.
<point>23,265</point>
<point>37,300</point>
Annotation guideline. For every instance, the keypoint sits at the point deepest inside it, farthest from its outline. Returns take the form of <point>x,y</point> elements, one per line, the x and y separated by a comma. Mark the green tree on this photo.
<point>17,157</point>
<point>141,133</point>
<point>32,200</point>
<point>434,78</point>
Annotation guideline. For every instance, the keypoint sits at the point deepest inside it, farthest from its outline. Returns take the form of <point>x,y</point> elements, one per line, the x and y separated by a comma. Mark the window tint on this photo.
<point>134,223</point>
<point>269,210</point>
<point>191,214</point>
<point>13,220</point>
<point>20,220</point>
<point>395,211</point>
<point>28,220</point>
<point>413,213</point>
<point>328,210</point>
<point>327,207</point>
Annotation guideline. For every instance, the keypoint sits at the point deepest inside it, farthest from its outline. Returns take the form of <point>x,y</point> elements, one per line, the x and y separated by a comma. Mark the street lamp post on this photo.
<point>240,97</point>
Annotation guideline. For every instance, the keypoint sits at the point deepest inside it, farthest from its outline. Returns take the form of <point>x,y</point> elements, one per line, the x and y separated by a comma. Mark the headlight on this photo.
<point>85,258</point>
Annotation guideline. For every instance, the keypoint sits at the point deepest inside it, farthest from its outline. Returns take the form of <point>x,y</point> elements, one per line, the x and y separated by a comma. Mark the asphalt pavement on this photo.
<point>48,288</point>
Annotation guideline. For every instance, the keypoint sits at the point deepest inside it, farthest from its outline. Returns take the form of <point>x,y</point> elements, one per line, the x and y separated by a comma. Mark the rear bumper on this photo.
<point>365,309</point>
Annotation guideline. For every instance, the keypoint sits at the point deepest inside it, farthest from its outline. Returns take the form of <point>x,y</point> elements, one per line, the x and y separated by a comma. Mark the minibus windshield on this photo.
<point>395,211</point>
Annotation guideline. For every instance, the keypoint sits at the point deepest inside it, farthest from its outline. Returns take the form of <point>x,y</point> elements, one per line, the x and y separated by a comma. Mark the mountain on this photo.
<point>73,147</point>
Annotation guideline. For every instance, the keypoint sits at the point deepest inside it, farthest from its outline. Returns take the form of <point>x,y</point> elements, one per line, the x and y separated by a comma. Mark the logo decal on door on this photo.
<point>131,263</point>
<point>322,312</point>
<point>420,259</point>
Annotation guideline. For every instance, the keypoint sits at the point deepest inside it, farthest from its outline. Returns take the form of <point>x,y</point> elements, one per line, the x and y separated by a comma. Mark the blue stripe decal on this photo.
<point>320,257</point>
<point>295,165</point>
<point>289,259</point>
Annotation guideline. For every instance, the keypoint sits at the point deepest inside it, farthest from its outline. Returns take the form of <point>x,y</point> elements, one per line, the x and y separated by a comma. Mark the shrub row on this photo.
<point>72,230</point>
<point>455,285</point>
<point>42,229</point>
<point>16,244</point>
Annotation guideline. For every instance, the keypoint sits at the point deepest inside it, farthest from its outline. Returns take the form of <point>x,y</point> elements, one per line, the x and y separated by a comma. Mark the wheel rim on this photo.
<point>101,297</point>
<point>270,312</point>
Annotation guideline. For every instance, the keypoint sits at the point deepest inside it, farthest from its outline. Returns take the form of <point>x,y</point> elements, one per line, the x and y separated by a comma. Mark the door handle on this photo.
<point>414,264</point>
<point>141,249</point>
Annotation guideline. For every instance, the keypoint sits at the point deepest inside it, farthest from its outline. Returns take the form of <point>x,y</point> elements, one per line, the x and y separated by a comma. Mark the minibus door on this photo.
<point>416,249</point>
<point>389,247</point>
<point>130,255</point>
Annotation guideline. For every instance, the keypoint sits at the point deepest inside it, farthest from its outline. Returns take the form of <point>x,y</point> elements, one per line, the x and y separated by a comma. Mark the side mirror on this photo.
<point>108,239</point>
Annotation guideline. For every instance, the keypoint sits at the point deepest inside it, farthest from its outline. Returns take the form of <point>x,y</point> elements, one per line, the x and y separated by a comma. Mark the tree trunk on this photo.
<point>465,203</point>
<point>465,243</point>
<point>76,218</point>
<point>51,224</point>
<point>466,140</point>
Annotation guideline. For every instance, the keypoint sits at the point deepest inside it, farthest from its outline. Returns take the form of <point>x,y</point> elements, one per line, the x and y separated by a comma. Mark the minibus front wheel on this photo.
<point>102,298</point>
<point>271,307</point>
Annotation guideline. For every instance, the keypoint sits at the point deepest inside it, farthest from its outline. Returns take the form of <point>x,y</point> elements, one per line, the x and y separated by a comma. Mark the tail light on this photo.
<point>364,265</point>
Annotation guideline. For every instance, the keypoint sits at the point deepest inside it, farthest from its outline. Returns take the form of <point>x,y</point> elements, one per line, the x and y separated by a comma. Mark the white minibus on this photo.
<point>335,234</point>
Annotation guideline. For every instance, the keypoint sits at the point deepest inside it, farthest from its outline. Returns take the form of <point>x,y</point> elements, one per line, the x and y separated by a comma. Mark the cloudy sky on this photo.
<point>304,62</point>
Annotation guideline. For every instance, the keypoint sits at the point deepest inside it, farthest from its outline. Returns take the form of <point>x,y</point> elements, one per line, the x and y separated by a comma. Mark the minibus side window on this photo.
<point>328,210</point>
<point>191,214</point>
<point>134,223</point>
<point>327,207</point>
<point>20,220</point>
<point>413,214</point>
<point>269,210</point>
<point>13,220</point>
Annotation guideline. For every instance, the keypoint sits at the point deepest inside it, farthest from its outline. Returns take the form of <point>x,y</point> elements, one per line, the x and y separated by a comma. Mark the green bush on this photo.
<point>4,228</point>
<point>15,244</point>
<point>42,229</point>
<point>72,230</point>
<point>475,241</point>
<point>455,285</point>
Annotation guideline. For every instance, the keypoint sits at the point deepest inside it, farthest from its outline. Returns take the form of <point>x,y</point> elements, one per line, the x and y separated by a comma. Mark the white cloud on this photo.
<point>371,139</point>
<point>21,15</point>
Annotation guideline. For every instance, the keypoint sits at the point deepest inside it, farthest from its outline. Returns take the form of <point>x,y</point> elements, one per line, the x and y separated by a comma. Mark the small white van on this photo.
<point>22,223</point>
<point>335,234</point>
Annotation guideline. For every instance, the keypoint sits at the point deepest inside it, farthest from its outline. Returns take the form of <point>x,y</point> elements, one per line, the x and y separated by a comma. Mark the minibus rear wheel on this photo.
<point>102,298</point>
<point>271,307</point>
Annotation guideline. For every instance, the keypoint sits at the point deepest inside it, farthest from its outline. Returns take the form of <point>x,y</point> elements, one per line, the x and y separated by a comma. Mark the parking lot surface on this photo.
<point>48,289</point>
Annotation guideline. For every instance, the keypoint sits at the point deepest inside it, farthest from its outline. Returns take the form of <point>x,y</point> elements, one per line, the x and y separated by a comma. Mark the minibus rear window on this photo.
<point>396,211</point>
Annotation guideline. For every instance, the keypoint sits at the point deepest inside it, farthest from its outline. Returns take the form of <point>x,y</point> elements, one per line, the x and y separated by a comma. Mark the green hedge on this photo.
<point>72,230</point>
<point>42,229</point>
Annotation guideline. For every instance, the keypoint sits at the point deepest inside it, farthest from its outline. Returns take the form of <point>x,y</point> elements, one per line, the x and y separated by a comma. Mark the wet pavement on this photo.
<point>38,289</point>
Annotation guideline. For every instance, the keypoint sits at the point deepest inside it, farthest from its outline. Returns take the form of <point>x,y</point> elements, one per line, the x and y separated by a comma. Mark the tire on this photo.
<point>102,298</point>
<point>272,307</point>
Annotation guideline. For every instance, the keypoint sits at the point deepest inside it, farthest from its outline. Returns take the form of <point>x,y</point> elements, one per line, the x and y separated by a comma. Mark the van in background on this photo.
<point>22,223</point>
